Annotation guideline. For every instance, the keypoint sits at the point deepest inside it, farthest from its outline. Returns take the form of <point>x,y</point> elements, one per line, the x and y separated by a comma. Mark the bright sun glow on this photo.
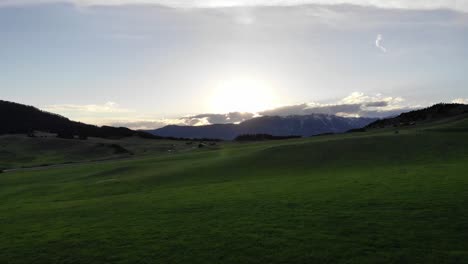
<point>242,95</point>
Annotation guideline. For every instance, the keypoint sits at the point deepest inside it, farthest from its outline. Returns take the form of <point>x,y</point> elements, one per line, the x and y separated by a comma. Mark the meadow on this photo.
<point>21,151</point>
<point>370,197</point>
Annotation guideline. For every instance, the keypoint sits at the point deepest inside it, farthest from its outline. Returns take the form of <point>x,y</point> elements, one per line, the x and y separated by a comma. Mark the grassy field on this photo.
<point>20,151</point>
<point>374,197</point>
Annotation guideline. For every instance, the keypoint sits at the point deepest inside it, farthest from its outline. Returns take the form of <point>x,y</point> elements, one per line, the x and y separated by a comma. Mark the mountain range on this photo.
<point>306,125</point>
<point>18,118</point>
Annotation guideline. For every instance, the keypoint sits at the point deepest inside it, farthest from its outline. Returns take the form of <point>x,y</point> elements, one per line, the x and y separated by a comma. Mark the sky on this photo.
<point>148,63</point>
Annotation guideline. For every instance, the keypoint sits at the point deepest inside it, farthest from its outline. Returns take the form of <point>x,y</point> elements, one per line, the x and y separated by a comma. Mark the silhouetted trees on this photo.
<point>260,137</point>
<point>356,130</point>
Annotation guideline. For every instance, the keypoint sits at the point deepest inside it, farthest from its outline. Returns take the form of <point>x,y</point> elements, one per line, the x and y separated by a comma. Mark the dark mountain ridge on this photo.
<point>307,125</point>
<point>18,118</point>
<point>432,113</point>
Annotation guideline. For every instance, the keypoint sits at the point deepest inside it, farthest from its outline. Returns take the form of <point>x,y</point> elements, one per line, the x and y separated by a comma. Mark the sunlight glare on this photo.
<point>242,95</point>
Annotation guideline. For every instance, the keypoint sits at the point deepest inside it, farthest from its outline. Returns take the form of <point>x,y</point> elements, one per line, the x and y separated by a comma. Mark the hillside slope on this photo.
<point>430,114</point>
<point>17,118</point>
<point>307,125</point>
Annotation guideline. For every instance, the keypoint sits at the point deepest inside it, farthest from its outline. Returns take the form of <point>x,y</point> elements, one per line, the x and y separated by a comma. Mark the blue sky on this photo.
<point>148,63</point>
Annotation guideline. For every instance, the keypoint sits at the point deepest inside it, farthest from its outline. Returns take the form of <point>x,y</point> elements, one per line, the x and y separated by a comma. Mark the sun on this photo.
<point>242,95</point>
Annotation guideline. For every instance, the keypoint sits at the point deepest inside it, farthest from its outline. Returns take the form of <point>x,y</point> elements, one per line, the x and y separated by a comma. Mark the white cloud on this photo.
<point>96,114</point>
<point>378,43</point>
<point>460,101</point>
<point>460,5</point>
<point>109,107</point>
<point>377,100</point>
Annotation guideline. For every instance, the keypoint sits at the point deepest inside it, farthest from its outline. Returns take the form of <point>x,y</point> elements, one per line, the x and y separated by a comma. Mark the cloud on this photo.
<point>377,104</point>
<point>378,43</point>
<point>145,124</point>
<point>460,101</point>
<point>312,108</point>
<point>355,105</point>
<point>111,113</point>
<point>109,107</point>
<point>197,120</point>
<point>234,117</point>
<point>96,114</point>
<point>460,5</point>
<point>371,100</point>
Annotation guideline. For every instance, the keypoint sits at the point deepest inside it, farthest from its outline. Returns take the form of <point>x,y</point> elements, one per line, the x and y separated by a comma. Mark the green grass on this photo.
<point>375,197</point>
<point>20,151</point>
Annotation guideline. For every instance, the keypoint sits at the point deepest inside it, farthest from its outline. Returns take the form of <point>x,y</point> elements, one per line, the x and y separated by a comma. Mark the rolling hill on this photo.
<point>307,125</point>
<point>371,197</point>
<point>430,114</point>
